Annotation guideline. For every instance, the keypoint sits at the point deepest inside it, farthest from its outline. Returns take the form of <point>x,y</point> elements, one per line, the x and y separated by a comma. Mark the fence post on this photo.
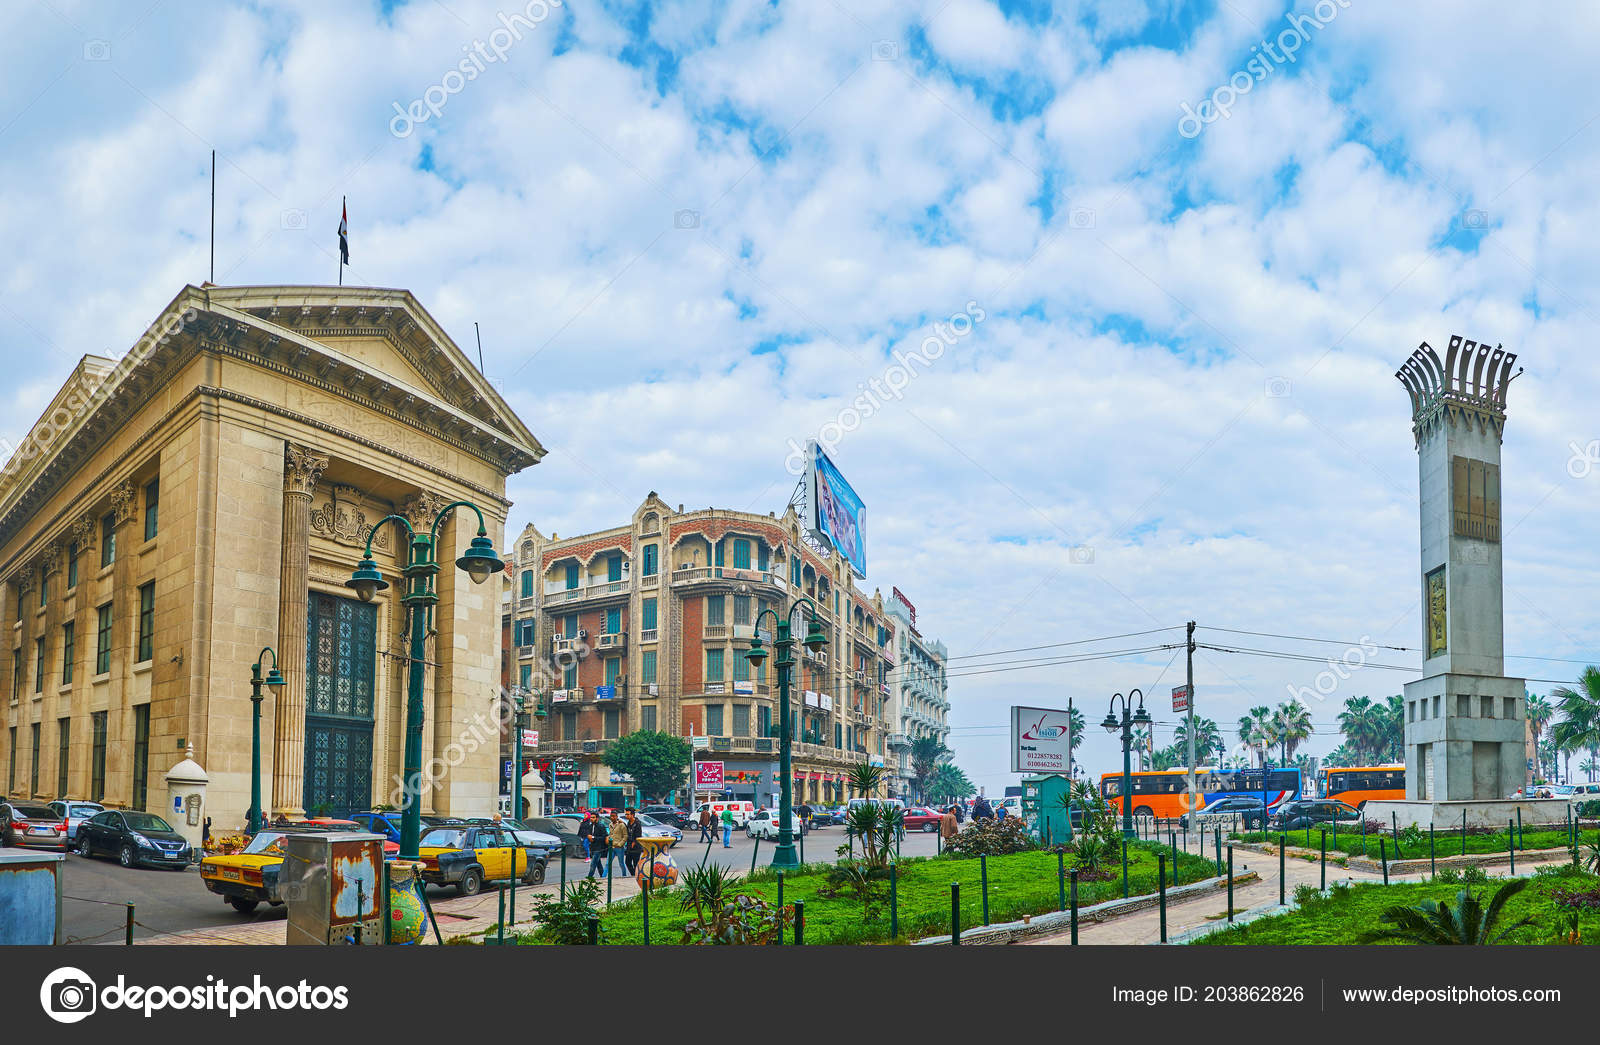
<point>1364,835</point>
<point>894,900</point>
<point>1124,868</point>
<point>1219,848</point>
<point>1061,877</point>
<point>1161,886</point>
<point>128,930</point>
<point>1394,830</point>
<point>1433,865</point>
<point>594,931</point>
<point>1511,844</point>
<point>1463,832</point>
<point>777,937</point>
<point>983,871</point>
<point>802,847</point>
<point>564,874</point>
<point>1383,855</point>
<point>1230,882</point>
<point>609,875</point>
<point>1324,846</point>
<point>646,893</point>
<point>955,914</point>
<point>753,853</point>
<point>500,930</point>
<point>1522,843</point>
<point>1283,868</point>
<point>799,922</point>
<point>1073,875</point>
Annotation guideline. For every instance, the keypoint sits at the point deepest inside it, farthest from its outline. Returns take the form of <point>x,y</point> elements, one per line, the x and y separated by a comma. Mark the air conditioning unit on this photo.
<point>582,634</point>
<point>625,565</point>
<point>861,676</point>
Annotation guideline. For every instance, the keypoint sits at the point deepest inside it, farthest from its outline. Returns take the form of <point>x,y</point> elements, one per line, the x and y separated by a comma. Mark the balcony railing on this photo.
<point>612,640</point>
<point>648,634</point>
<point>592,590</point>
<point>716,631</point>
<point>694,574</point>
<point>897,740</point>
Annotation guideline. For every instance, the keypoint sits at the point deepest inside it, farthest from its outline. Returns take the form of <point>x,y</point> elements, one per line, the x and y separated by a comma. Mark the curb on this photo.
<point>1060,921</point>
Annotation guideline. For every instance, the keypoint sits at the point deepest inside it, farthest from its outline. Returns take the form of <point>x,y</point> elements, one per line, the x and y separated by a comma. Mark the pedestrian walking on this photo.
<point>949,826</point>
<point>586,833</point>
<point>805,817</point>
<point>960,812</point>
<point>727,829</point>
<point>617,840</point>
<point>981,810</point>
<point>597,846</point>
<point>706,834</point>
<point>633,848</point>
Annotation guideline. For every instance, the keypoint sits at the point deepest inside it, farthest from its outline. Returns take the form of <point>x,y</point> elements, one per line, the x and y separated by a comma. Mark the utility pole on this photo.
<point>1190,684</point>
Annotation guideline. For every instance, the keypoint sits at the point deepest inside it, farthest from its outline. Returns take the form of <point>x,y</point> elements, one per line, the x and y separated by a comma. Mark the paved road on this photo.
<point>165,901</point>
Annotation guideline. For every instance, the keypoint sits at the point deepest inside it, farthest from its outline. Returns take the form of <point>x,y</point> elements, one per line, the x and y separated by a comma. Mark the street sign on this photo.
<point>708,776</point>
<point>566,787</point>
<point>1039,740</point>
<point>530,738</point>
<point>1180,698</point>
<point>699,743</point>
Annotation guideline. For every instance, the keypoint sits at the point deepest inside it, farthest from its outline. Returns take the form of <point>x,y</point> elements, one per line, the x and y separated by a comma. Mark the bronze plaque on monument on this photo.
<point>1438,632</point>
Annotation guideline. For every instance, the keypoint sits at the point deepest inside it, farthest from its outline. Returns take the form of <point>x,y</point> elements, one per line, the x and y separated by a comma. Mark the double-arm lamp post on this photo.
<point>480,562</point>
<point>784,854</point>
<point>1139,717</point>
<point>275,680</point>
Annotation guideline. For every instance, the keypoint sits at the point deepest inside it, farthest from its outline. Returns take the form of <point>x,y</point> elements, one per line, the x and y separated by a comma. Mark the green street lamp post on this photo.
<point>784,854</point>
<point>480,562</point>
<point>274,679</point>
<point>1139,717</point>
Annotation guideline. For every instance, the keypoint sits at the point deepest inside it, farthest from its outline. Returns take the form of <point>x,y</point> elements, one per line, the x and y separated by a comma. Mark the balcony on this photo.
<point>557,594</point>
<point>649,634</point>
<point>897,741</point>
<point>564,644</point>
<point>617,640</point>
<point>526,652</point>
<point>716,632</point>
<point>570,747</point>
<point>727,574</point>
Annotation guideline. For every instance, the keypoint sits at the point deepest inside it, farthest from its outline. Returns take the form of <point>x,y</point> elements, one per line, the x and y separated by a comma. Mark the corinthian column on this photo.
<point>301,470</point>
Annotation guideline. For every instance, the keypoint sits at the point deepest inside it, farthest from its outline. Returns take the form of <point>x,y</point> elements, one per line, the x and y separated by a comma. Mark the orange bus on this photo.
<point>1358,785</point>
<point>1163,792</point>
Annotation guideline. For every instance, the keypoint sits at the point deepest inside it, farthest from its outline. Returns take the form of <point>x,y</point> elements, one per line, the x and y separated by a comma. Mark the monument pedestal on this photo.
<point>1466,738</point>
<point>1495,815</point>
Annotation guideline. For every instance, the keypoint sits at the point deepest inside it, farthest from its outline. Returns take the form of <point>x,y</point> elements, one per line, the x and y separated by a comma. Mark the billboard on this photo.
<point>1039,739</point>
<point>836,512</point>
<point>708,776</point>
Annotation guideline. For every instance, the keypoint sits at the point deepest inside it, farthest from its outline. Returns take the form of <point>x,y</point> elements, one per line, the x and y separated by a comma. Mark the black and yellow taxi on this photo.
<point>468,855</point>
<point>248,878</point>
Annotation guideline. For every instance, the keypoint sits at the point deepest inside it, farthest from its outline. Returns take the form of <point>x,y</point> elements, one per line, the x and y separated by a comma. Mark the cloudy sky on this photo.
<point>695,234</point>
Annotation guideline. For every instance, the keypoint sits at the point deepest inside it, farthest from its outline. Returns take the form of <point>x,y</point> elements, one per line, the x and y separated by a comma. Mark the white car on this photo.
<point>763,823</point>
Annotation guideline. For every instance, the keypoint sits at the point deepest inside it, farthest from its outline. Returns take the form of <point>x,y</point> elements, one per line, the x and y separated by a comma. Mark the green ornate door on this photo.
<point>341,657</point>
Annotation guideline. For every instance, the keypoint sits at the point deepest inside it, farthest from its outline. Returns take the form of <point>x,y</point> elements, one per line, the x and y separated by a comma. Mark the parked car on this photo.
<point>763,823</point>
<point>1309,812</point>
<point>247,879</point>
<point>562,827</point>
<point>32,824</point>
<point>919,818</point>
<point>820,818</point>
<point>1247,809</point>
<point>387,823</point>
<point>75,813</point>
<point>137,838</point>
<point>654,828</point>
<point>468,855</point>
<point>672,816</point>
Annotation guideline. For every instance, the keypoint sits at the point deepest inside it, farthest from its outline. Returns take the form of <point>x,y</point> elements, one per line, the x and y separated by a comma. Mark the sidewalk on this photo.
<point>457,916</point>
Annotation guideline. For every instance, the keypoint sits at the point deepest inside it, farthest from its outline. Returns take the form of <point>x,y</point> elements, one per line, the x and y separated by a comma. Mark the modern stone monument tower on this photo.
<point>1465,721</point>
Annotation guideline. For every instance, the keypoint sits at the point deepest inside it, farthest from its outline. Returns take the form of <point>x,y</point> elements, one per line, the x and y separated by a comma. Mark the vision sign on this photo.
<point>1040,740</point>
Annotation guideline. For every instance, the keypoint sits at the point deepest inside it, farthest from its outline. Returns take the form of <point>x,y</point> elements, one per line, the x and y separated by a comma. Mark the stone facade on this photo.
<point>184,505</point>
<point>921,704</point>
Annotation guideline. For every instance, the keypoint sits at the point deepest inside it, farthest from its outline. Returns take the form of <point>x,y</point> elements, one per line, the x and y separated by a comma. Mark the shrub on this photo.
<point>567,921</point>
<point>992,838</point>
<point>1464,876</point>
<point>1434,923</point>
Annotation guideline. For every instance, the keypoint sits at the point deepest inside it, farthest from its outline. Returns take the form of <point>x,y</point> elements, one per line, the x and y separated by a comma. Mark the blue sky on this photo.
<point>692,232</point>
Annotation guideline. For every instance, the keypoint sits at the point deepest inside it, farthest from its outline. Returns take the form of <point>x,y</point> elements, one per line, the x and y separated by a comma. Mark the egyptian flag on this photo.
<point>344,232</point>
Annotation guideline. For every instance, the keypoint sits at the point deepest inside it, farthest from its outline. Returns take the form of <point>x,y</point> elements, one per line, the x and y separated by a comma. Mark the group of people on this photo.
<point>611,839</point>
<point>708,830</point>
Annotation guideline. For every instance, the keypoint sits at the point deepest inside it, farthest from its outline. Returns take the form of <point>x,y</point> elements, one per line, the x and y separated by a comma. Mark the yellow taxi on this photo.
<point>467,855</point>
<point>248,878</point>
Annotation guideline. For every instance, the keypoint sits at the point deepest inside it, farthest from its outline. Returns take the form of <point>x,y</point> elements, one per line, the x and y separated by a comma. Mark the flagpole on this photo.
<point>213,276</point>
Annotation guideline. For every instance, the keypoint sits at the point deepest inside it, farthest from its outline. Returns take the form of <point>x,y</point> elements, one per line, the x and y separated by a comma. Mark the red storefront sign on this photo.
<point>707,776</point>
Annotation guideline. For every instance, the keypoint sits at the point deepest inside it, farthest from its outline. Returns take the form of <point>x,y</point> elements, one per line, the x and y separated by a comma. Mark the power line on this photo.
<point>1055,645</point>
<point>1307,638</point>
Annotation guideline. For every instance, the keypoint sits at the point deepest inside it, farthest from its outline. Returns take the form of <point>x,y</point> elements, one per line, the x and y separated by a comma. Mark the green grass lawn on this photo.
<point>1343,915</point>
<point>1414,845</point>
<point>1019,884</point>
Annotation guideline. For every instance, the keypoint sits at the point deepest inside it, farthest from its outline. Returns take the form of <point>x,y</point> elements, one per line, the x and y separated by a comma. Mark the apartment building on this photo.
<point>921,703</point>
<point>646,625</point>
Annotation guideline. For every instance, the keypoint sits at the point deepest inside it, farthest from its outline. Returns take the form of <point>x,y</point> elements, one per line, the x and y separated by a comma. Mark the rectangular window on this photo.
<point>572,575</point>
<point>761,561</point>
<point>647,667</point>
<point>526,679</point>
<point>569,727</point>
<point>97,767</point>
<point>741,720</point>
<point>152,500</point>
<point>613,723</point>
<point>569,626</point>
<point>613,567</point>
<point>44,588</point>
<point>108,540</point>
<point>718,552</point>
<point>647,717</point>
<point>16,674</point>
<point>102,644</point>
<point>714,665</point>
<point>569,677</point>
<point>741,667</point>
<point>38,665</point>
<point>649,615</point>
<point>716,609</point>
<point>72,567</point>
<point>650,563</point>
<point>141,754</point>
<point>63,752</point>
<point>763,721</point>
<point>838,735</point>
<point>33,777</point>
<point>147,622</point>
<point>713,720</point>
<point>614,621</point>
<point>741,609</point>
<point>613,670</point>
<point>741,554</point>
<point>527,584</point>
<point>794,570</point>
<point>525,631</point>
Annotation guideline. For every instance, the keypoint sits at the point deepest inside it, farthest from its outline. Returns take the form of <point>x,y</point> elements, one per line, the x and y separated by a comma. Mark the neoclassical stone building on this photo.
<point>207,495</point>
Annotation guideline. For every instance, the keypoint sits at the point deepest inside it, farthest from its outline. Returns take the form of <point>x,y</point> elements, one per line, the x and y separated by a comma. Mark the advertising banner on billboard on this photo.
<point>708,776</point>
<point>836,512</point>
<point>1039,739</point>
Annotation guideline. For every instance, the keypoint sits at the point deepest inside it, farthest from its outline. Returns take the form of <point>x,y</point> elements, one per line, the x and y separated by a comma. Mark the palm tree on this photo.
<point>1580,728</point>
<point>1436,923</point>
<point>1075,724</point>
<point>1394,728</point>
<point>1141,744</point>
<point>1292,722</point>
<point>1539,715</point>
<point>927,754</point>
<point>1256,731</point>
<point>1360,722</point>
<point>950,782</point>
<point>1207,739</point>
<point>1588,765</point>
